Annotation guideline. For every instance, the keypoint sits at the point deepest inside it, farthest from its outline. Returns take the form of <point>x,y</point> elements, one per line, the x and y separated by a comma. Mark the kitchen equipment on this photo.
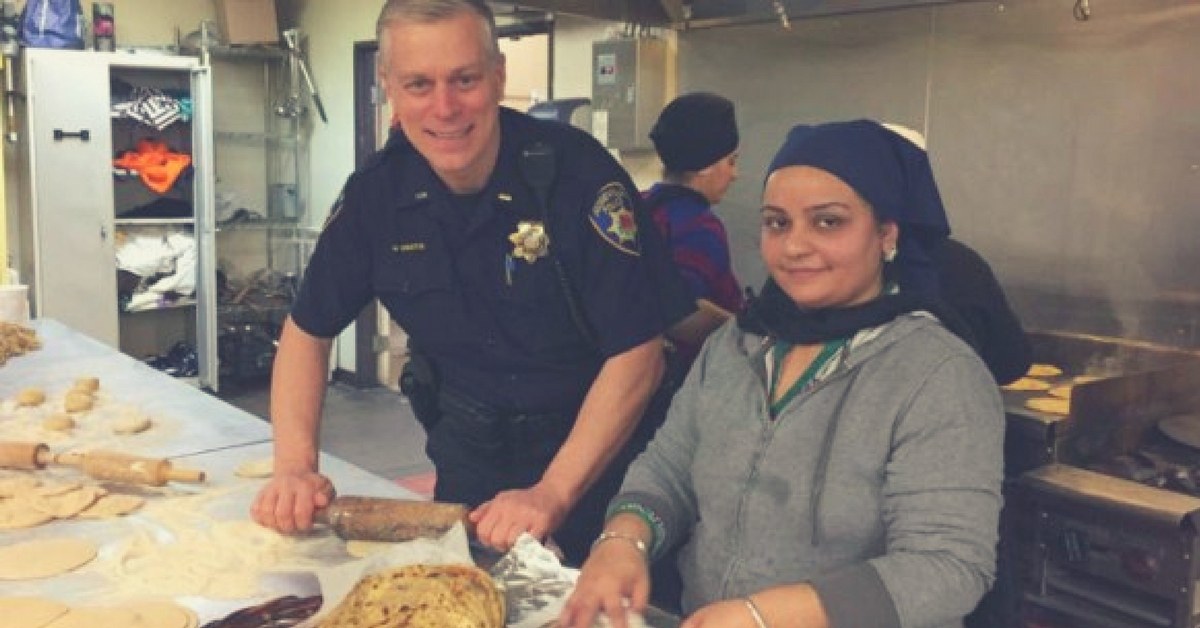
<point>14,304</point>
<point>380,519</point>
<point>299,65</point>
<point>1182,428</point>
<point>31,456</point>
<point>101,465</point>
<point>119,467</point>
<point>1103,512</point>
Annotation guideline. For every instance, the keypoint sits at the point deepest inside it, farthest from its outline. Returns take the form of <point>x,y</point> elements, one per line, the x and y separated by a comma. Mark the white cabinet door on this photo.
<point>71,169</point>
<point>204,205</point>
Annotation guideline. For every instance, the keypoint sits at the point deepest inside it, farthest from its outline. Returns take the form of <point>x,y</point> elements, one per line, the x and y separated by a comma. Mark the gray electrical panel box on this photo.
<point>628,90</point>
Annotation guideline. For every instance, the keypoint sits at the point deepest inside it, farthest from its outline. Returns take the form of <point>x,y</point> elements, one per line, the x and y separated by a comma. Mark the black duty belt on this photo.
<point>474,414</point>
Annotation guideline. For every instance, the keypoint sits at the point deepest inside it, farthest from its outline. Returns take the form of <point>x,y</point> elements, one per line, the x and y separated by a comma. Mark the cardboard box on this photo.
<point>248,21</point>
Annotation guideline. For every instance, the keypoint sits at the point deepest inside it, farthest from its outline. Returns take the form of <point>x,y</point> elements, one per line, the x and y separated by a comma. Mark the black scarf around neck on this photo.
<point>773,313</point>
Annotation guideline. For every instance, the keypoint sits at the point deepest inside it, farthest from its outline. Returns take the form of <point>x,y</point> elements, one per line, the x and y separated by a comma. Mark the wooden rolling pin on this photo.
<point>379,519</point>
<point>20,455</point>
<point>117,467</point>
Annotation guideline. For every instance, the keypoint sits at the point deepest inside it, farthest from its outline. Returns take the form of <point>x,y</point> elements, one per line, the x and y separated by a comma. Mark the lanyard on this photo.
<point>779,352</point>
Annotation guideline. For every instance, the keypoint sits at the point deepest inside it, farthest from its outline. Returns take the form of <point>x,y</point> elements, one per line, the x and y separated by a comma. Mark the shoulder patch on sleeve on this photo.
<point>612,217</point>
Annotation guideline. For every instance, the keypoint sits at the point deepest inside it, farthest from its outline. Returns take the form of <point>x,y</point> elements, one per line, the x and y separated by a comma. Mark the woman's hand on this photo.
<point>615,571</point>
<point>723,614</point>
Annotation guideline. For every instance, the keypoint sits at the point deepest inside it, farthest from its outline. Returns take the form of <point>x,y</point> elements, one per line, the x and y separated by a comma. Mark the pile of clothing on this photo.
<point>155,269</point>
<point>156,165</point>
<point>152,107</point>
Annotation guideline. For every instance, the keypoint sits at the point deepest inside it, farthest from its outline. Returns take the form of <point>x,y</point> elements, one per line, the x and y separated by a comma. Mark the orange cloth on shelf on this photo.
<point>156,164</point>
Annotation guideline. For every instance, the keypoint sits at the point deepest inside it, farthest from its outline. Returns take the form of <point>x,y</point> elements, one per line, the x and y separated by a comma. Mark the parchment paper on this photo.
<point>534,582</point>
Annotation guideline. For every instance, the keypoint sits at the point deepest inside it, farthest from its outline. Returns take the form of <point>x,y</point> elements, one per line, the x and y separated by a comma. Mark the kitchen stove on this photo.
<point>1103,520</point>
<point>1159,463</point>
<point>1096,551</point>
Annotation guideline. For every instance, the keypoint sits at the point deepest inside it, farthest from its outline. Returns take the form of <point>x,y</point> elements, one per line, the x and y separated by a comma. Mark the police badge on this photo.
<point>530,241</point>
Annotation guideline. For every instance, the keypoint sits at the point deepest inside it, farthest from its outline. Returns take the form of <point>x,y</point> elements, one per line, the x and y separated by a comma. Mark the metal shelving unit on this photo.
<point>261,136</point>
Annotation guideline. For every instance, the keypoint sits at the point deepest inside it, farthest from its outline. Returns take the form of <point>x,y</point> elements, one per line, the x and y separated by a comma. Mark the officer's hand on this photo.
<point>535,510</point>
<point>286,504</point>
<point>615,580</point>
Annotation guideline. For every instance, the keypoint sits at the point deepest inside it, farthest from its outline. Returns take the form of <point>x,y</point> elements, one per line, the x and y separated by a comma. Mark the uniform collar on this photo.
<point>505,191</point>
<point>411,181</point>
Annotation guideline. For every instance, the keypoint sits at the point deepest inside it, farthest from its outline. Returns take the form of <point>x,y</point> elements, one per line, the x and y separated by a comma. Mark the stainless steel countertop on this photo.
<point>201,432</point>
<point>188,420</point>
<point>204,433</point>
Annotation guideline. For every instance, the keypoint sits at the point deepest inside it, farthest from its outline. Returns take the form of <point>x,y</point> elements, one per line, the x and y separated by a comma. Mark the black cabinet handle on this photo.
<point>60,135</point>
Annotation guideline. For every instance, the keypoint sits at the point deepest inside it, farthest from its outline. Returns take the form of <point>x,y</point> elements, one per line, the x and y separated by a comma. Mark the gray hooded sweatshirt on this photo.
<point>879,485</point>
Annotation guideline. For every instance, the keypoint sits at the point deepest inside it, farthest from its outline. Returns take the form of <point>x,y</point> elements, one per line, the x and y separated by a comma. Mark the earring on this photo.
<point>889,255</point>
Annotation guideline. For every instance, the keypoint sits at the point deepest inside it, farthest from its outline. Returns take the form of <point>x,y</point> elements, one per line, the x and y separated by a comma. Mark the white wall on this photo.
<point>153,23</point>
<point>332,29</point>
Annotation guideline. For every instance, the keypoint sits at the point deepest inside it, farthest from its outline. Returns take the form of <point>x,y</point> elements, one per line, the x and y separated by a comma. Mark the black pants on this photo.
<point>478,453</point>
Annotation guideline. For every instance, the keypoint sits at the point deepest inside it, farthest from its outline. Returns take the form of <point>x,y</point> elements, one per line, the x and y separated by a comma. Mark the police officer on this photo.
<point>543,320</point>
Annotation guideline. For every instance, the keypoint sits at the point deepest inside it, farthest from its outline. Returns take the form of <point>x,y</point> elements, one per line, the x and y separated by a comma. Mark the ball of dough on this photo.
<point>131,424</point>
<point>262,468</point>
<point>87,384</point>
<point>31,397</point>
<point>59,423</point>
<point>78,401</point>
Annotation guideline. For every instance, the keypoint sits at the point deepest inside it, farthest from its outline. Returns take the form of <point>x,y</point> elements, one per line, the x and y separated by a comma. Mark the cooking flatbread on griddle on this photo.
<point>1062,392</point>
<point>1050,405</point>
<point>1028,383</point>
<point>421,596</point>
<point>1043,370</point>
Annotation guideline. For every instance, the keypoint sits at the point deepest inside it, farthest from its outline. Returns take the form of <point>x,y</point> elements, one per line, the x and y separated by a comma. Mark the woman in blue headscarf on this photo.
<point>834,457</point>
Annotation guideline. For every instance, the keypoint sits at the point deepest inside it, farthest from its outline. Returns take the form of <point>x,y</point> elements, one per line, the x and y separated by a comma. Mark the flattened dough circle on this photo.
<point>18,513</point>
<point>30,612</point>
<point>43,558</point>
<point>158,614</point>
<point>112,505</point>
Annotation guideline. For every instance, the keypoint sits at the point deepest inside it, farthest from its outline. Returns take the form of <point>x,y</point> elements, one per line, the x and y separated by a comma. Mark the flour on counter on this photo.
<point>182,551</point>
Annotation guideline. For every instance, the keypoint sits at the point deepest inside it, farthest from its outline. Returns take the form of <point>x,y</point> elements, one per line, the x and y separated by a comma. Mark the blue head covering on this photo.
<point>890,173</point>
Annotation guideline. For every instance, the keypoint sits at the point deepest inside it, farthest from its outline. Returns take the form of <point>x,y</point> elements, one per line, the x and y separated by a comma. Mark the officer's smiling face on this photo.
<point>445,89</point>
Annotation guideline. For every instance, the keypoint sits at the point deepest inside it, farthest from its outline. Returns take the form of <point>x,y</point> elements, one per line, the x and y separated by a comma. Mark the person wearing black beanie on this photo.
<point>694,132</point>
<point>696,137</point>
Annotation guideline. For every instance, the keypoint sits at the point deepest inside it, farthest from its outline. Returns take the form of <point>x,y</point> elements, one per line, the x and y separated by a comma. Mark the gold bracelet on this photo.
<point>611,534</point>
<point>758,618</point>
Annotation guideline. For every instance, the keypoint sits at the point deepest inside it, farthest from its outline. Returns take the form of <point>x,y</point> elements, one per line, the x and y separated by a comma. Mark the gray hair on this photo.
<point>430,11</point>
<point>677,177</point>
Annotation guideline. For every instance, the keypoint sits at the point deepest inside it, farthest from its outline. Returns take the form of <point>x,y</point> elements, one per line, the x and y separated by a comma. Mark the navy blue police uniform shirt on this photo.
<point>498,326</point>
